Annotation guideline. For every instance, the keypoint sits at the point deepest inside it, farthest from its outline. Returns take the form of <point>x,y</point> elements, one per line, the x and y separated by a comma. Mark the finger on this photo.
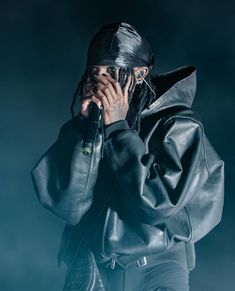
<point>118,88</point>
<point>110,83</point>
<point>97,101</point>
<point>103,91</point>
<point>126,88</point>
<point>102,97</point>
<point>115,85</point>
<point>86,100</point>
<point>84,106</point>
<point>86,92</point>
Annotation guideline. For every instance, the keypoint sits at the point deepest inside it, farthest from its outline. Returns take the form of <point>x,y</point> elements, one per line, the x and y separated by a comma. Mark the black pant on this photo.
<point>85,275</point>
<point>168,276</point>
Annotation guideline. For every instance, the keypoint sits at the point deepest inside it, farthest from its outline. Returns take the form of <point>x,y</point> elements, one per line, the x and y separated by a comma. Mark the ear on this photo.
<point>140,73</point>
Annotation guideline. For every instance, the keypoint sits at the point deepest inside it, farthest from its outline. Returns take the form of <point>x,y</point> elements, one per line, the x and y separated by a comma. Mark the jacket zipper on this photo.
<point>113,262</point>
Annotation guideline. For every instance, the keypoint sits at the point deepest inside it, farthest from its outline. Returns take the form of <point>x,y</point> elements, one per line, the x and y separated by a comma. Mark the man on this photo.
<point>152,185</point>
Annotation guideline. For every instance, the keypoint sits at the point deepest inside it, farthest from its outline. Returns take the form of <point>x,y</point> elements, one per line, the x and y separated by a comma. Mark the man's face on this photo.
<point>104,70</point>
<point>111,71</point>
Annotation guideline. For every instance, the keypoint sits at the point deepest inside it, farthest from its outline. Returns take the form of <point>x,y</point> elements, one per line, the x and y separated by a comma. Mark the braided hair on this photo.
<point>139,99</point>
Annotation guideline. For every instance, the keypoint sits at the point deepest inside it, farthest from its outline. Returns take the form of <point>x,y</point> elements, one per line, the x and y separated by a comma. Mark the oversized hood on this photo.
<point>174,88</point>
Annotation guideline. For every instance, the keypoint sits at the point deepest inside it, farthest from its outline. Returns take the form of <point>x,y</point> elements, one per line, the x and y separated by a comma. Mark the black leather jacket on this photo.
<point>151,192</point>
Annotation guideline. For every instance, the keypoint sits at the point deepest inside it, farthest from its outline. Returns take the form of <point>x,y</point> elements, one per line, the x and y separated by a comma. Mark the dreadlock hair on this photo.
<point>139,99</point>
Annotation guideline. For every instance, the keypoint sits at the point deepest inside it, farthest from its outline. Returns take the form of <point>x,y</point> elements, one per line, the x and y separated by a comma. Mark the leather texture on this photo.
<point>84,274</point>
<point>156,188</point>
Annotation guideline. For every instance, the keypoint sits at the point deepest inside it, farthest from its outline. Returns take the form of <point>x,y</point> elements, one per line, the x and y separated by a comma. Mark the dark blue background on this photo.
<point>42,56</point>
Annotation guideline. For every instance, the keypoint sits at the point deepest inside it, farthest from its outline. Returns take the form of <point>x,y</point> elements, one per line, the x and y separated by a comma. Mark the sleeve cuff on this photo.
<point>115,127</point>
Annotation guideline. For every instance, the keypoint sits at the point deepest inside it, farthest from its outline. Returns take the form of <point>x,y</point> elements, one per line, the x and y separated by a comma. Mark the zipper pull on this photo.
<point>113,263</point>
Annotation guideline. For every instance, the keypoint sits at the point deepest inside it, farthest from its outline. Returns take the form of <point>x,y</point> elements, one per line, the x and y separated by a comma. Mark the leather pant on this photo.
<point>168,276</point>
<point>88,275</point>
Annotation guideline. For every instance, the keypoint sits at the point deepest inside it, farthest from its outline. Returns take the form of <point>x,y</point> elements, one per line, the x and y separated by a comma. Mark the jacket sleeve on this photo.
<point>158,183</point>
<point>64,178</point>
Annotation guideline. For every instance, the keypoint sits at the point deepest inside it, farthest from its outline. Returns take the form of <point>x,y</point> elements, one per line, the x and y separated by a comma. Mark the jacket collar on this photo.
<point>174,88</point>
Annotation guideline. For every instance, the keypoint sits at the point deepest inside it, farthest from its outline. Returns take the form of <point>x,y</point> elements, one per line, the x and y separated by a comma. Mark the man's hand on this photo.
<point>87,99</point>
<point>113,98</point>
